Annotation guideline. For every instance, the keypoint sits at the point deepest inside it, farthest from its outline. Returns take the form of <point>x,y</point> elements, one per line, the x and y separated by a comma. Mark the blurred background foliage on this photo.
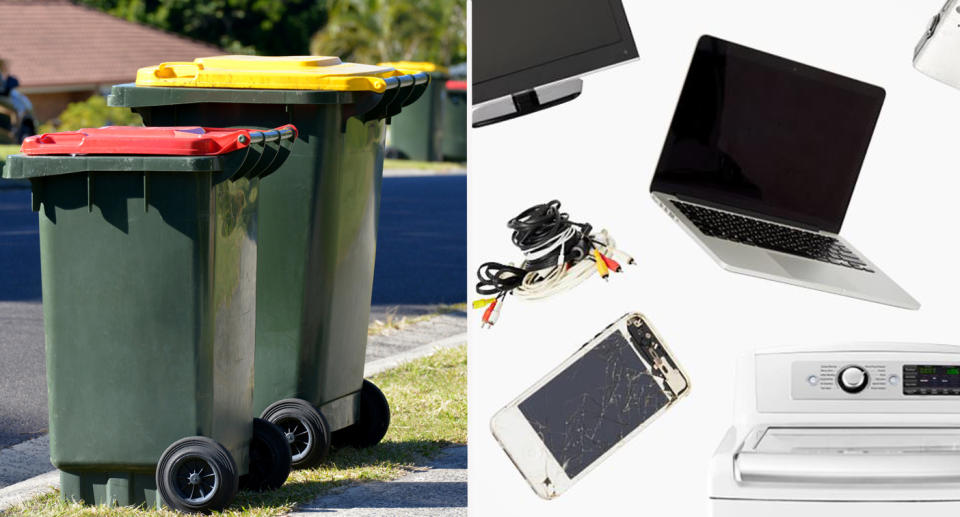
<point>366,31</point>
<point>370,31</point>
<point>92,112</point>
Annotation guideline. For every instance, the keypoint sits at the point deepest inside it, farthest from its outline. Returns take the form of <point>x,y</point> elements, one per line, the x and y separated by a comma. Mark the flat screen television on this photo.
<point>529,54</point>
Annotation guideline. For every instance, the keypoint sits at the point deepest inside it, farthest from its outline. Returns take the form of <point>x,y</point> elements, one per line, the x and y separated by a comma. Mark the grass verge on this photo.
<point>428,399</point>
<point>392,323</point>
<point>390,164</point>
<point>6,150</point>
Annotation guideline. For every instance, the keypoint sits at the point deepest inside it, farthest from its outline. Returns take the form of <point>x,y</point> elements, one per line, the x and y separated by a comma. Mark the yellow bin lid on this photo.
<point>270,73</point>
<point>415,66</point>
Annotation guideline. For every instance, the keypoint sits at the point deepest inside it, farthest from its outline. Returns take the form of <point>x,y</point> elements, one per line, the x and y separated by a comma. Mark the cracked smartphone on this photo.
<point>603,395</point>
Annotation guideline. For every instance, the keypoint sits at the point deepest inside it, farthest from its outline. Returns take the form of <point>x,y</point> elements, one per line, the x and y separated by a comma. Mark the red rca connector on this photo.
<point>488,313</point>
<point>601,264</point>
<point>612,264</point>
<point>495,315</point>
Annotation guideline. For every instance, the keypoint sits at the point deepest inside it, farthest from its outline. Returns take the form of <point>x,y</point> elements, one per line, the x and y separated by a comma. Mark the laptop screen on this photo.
<point>763,135</point>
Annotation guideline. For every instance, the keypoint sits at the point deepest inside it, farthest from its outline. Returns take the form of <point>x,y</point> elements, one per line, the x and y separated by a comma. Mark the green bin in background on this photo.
<point>148,270</point>
<point>455,115</point>
<point>318,219</point>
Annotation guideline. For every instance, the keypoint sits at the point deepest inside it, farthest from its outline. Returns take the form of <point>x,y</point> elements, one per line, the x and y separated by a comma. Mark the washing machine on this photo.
<point>852,430</point>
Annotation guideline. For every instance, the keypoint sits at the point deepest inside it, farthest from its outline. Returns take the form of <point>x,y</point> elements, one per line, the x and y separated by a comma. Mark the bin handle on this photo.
<point>401,91</point>
<point>259,152</point>
<point>420,82</point>
<point>168,70</point>
<point>274,135</point>
<point>273,156</point>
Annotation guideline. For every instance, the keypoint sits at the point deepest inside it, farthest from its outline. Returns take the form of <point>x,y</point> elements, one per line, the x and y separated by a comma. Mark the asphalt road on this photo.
<point>422,241</point>
<point>19,248</point>
<point>421,257</point>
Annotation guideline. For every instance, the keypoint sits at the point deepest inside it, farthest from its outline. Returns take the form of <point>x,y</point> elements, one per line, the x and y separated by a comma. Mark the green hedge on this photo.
<point>92,112</point>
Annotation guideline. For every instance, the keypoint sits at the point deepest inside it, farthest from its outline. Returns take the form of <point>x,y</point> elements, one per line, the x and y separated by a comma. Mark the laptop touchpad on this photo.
<point>815,271</point>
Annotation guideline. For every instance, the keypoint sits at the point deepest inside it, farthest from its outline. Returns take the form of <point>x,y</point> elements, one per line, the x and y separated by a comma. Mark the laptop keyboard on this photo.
<point>727,226</point>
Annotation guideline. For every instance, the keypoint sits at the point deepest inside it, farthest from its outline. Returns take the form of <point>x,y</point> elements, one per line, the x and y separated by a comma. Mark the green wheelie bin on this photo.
<point>418,134</point>
<point>317,225</point>
<point>455,121</point>
<point>148,240</point>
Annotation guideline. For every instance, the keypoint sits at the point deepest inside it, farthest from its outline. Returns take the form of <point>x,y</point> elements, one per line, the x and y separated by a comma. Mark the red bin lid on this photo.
<point>171,141</point>
<point>456,85</point>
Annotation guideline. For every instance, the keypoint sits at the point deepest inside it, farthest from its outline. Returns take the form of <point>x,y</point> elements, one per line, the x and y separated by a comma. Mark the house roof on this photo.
<point>56,45</point>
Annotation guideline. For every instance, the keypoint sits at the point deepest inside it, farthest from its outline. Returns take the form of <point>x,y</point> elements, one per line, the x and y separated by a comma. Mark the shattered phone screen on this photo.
<point>593,404</point>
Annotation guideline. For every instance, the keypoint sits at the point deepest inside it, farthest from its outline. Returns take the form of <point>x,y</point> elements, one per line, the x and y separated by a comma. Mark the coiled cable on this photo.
<point>559,254</point>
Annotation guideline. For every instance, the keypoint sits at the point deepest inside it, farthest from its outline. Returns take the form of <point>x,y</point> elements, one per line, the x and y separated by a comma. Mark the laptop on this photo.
<point>759,166</point>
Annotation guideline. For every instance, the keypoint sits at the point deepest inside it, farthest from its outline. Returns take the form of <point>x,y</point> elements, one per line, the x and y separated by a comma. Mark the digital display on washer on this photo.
<point>931,379</point>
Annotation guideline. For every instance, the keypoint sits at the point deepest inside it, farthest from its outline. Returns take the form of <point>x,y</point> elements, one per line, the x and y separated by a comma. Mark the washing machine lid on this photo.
<point>856,456</point>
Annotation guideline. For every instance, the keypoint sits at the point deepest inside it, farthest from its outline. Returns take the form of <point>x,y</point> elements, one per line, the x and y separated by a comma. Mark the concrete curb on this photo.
<point>387,363</point>
<point>27,489</point>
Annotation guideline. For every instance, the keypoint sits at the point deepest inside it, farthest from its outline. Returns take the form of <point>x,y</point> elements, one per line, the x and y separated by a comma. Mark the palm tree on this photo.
<point>370,31</point>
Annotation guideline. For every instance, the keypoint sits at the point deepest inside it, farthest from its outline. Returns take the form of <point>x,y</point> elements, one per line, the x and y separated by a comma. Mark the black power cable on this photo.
<point>537,231</point>
<point>540,225</point>
<point>498,279</point>
<point>559,254</point>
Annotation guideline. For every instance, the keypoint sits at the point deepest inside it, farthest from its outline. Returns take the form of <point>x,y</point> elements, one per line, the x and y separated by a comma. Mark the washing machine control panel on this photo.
<point>866,378</point>
<point>821,380</point>
<point>818,380</point>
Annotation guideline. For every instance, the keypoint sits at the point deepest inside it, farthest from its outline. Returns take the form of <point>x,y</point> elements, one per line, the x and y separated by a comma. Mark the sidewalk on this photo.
<point>439,489</point>
<point>393,342</point>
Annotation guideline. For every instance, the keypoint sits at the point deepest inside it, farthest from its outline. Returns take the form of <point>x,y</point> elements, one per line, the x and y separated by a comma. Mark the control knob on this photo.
<point>853,379</point>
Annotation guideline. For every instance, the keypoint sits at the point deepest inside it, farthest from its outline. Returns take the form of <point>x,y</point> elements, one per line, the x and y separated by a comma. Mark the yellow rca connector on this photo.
<point>479,304</point>
<point>601,264</point>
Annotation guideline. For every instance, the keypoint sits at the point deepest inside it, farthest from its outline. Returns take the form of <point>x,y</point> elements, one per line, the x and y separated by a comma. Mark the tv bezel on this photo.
<point>562,68</point>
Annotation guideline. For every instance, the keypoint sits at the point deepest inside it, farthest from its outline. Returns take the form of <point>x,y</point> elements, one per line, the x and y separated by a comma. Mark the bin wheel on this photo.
<point>269,458</point>
<point>305,429</point>
<point>196,475</point>
<point>372,422</point>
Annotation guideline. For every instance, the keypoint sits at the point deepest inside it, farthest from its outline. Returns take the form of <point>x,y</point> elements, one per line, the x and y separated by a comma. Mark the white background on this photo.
<point>597,154</point>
